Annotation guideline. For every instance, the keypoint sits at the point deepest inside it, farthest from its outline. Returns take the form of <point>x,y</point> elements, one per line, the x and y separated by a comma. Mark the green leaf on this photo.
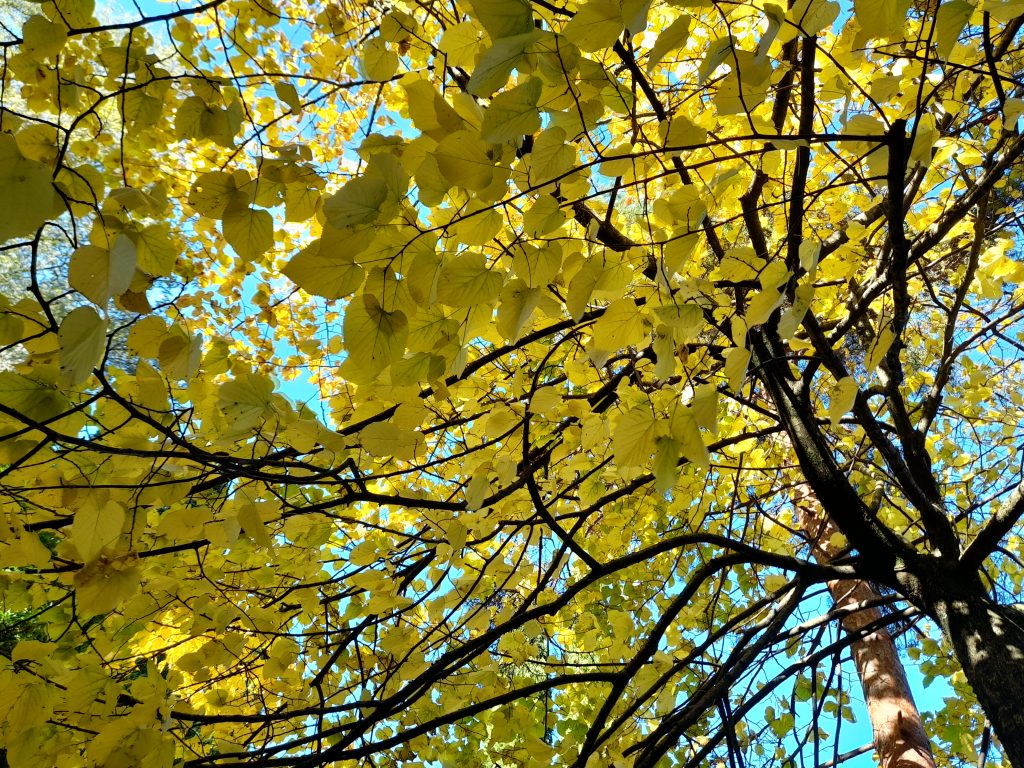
<point>213,192</point>
<point>331,273</point>
<point>691,444</point>
<point>33,399</point>
<point>287,93</point>
<point>83,337</point>
<point>666,459</point>
<point>513,113</point>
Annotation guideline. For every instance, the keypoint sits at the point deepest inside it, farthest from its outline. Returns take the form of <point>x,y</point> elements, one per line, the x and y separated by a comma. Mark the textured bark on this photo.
<point>988,639</point>
<point>900,738</point>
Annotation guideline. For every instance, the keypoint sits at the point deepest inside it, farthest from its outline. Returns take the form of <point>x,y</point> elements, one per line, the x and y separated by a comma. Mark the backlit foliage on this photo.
<point>464,342</point>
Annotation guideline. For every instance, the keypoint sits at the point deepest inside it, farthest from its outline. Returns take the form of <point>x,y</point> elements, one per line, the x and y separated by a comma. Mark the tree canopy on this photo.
<point>437,383</point>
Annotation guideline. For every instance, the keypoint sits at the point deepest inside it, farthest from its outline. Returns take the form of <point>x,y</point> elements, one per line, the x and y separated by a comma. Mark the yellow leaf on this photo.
<point>330,276</point>
<point>552,155</point>
<point>467,281</point>
<point>633,440</point>
<point>373,338</point>
<point>43,38</point>
<point>681,132</point>
<point>105,583</point>
<point>179,354</point>
<point>503,18</point>
<point>544,216</point>
<point>463,161</point>
<point>378,62</point>
<point>691,444</point>
<point>95,527</point>
<point>673,36</point>
<point>359,202</point>
<point>879,347</point>
<point>513,114</point>
<point>762,305</point>
<point>146,335</point>
<point>950,21</point>
<point>26,191</point>
<point>385,439</point>
<point>459,44</point>
<point>100,274</point>
<point>83,337</point>
<point>518,301</point>
<point>881,18</point>
<point>155,251</point>
<point>774,582</point>
<point>621,325</point>
<point>249,231</point>
<point>736,360</point>
<point>841,399</point>
<point>251,522</point>
<point>596,25</point>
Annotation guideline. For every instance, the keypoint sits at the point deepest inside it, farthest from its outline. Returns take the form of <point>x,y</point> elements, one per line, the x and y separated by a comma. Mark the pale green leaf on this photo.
<point>83,337</point>
<point>596,25</point>
<point>463,160</point>
<point>26,191</point>
<point>358,202</point>
<point>373,338</point>
<point>96,526</point>
<point>250,231</point>
<point>100,274</point>
<point>496,64</point>
<point>466,281</point>
<point>513,114</point>
<point>504,18</point>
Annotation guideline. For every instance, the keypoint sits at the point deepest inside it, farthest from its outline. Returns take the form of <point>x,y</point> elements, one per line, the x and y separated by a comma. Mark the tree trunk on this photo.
<point>900,738</point>
<point>988,640</point>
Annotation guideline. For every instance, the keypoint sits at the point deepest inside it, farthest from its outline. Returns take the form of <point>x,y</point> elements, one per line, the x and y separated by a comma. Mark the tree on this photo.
<point>481,355</point>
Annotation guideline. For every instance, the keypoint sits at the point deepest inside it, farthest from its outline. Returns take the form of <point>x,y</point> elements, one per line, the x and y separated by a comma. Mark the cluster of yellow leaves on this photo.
<point>478,236</point>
